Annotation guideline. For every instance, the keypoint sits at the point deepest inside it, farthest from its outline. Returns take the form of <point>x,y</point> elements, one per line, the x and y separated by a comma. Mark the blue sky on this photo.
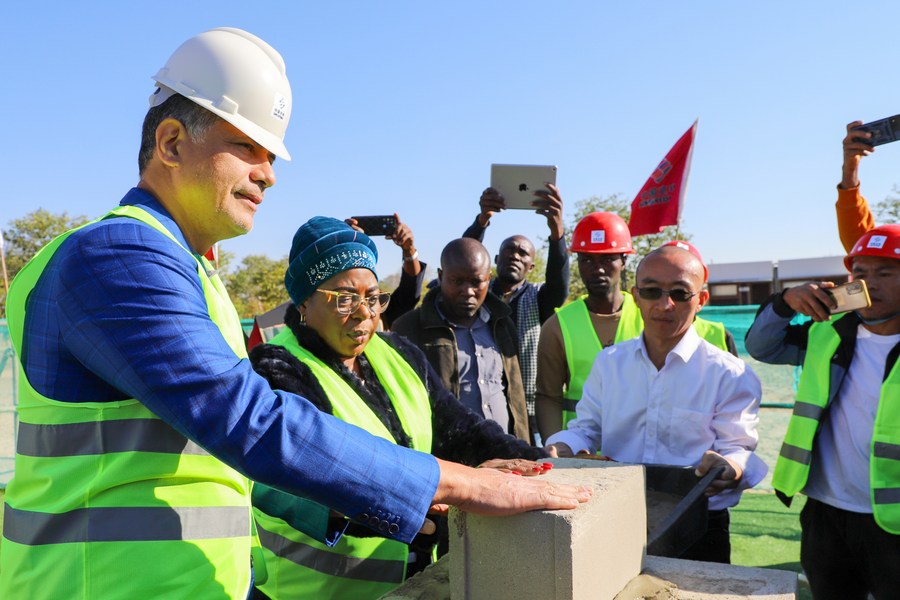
<point>403,106</point>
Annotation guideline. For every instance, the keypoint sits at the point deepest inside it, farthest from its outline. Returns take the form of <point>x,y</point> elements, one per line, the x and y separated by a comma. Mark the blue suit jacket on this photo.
<point>119,313</point>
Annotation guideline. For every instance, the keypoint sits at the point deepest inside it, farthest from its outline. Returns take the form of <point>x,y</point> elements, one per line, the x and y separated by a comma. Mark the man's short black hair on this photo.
<point>196,119</point>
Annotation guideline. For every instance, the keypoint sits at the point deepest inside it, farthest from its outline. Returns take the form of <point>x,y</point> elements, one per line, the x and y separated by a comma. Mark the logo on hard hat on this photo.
<point>279,107</point>
<point>876,241</point>
<point>598,236</point>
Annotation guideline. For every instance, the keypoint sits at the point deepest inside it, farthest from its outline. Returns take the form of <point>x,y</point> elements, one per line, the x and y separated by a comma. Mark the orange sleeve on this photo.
<point>853,216</point>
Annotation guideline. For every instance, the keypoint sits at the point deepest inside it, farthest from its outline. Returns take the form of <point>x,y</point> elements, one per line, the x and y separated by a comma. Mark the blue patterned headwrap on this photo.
<point>322,248</point>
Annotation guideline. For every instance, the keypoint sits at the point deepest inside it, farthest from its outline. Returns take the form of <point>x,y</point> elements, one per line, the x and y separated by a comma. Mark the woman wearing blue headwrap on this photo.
<point>332,354</point>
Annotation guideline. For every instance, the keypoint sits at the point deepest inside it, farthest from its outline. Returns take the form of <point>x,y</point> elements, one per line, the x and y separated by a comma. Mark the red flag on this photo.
<point>212,255</point>
<point>659,202</point>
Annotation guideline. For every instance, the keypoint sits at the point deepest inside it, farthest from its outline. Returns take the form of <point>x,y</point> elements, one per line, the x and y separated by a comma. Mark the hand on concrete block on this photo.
<point>495,493</point>
<point>516,466</point>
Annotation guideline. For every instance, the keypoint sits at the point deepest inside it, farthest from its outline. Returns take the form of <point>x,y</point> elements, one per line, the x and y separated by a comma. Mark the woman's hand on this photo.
<point>516,466</point>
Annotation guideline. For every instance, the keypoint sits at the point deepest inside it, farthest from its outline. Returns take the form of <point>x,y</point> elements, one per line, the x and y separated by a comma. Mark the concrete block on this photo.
<point>591,552</point>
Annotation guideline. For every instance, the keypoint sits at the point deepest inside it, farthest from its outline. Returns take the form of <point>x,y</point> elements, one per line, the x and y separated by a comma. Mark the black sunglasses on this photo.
<point>655,293</point>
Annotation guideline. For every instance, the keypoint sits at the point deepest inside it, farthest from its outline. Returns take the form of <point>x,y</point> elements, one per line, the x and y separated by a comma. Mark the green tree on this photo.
<point>26,235</point>
<point>888,210</point>
<point>257,285</point>
<point>390,282</point>
<point>539,272</point>
<point>642,244</point>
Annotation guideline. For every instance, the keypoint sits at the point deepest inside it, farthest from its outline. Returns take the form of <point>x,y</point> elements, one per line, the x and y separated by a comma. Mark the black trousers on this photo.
<point>846,555</point>
<point>715,545</point>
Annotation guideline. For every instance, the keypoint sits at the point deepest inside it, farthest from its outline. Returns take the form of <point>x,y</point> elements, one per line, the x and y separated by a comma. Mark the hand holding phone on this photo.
<point>852,295</point>
<point>883,131</point>
<point>377,225</point>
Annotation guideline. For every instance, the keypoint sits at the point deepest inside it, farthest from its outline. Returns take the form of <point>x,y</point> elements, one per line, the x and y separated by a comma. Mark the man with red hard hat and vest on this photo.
<point>571,339</point>
<point>140,418</point>
<point>842,446</point>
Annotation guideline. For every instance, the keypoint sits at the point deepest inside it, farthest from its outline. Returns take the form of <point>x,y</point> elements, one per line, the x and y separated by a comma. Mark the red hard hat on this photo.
<point>693,250</point>
<point>883,241</point>
<point>602,233</point>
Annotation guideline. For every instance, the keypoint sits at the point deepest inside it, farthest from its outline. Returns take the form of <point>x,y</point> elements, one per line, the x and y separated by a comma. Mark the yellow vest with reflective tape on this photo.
<point>792,465</point>
<point>582,344</point>
<point>109,501</point>
<point>301,567</point>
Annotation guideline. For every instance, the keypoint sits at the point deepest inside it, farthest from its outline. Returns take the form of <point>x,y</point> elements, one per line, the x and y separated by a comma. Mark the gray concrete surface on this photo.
<point>689,581</point>
<point>710,581</point>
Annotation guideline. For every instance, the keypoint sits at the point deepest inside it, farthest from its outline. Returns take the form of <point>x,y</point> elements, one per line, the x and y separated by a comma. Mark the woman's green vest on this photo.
<point>109,501</point>
<point>299,566</point>
<point>582,344</point>
<point>792,466</point>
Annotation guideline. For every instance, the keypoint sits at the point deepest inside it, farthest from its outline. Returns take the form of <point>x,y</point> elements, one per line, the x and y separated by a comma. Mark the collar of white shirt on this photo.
<point>684,349</point>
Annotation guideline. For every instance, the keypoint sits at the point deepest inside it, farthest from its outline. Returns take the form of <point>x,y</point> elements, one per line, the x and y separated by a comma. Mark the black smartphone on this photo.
<point>883,131</point>
<point>377,225</point>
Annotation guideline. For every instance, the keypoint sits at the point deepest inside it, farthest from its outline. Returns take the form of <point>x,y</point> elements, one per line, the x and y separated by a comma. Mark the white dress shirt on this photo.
<point>703,398</point>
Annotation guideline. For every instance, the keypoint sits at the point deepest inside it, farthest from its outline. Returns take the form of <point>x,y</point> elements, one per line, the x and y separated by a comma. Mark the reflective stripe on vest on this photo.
<point>335,564</point>
<point>302,567</point>
<point>792,466</point>
<point>582,344</point>
<point>106,497</point>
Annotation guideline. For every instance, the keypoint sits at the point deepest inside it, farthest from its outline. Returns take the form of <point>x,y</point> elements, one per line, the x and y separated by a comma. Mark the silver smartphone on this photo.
<point>852,295</point>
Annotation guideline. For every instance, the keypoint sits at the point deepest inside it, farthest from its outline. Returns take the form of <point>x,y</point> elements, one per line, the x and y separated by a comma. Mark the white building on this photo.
<point>752,282</point>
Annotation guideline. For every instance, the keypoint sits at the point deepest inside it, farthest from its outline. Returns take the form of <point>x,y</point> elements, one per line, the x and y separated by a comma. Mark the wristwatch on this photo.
<point>412,257</point>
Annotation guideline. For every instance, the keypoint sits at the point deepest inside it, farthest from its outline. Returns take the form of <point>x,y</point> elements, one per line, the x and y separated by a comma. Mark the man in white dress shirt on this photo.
<point>669,397</point>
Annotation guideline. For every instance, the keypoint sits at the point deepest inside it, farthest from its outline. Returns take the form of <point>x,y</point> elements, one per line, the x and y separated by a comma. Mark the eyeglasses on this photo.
<point>348,303</point>
<point>655,293</point>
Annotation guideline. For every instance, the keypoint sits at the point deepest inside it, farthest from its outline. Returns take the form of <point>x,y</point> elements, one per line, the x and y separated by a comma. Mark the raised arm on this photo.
<point>854,217</point>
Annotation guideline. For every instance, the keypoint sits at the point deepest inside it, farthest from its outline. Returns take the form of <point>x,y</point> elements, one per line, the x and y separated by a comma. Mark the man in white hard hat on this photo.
<point>140,417</point>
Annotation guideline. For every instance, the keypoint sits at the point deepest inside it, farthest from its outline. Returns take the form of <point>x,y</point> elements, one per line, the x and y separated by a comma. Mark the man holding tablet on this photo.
<point>531,303</point>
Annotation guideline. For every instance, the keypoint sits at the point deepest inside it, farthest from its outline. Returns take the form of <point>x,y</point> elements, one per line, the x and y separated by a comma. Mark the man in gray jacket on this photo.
<point>469,337</point>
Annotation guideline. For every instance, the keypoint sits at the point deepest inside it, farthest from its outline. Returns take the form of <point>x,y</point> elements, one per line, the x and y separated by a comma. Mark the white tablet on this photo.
<point>517,183</point>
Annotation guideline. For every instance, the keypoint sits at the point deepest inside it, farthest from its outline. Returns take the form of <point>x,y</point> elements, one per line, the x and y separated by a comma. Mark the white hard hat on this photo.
<point>235,75</point>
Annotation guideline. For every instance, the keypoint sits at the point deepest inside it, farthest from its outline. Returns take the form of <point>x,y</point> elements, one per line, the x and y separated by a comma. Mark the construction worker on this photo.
<point>140,418</point>
<point>842,446</point>
<point>571,339</point>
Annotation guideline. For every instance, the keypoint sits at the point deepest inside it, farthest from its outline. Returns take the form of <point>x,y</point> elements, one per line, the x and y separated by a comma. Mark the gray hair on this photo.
<point>196,120</point>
